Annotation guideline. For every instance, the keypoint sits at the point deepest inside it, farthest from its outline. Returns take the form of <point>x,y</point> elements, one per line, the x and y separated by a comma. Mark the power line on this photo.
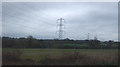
<point>25,14</point>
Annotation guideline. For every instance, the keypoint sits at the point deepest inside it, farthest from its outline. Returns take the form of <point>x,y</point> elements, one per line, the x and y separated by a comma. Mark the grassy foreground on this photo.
<point>105,56</point>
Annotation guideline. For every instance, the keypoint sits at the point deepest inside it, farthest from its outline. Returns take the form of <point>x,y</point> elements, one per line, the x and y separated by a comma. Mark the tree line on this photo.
<point>31,42</point>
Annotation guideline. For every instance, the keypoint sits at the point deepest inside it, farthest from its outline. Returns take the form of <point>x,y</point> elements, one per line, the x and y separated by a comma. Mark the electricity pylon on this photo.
<point>60,25</point>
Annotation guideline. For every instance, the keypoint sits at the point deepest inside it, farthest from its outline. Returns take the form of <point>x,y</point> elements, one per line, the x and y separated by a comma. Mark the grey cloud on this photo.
<point>39,19</point>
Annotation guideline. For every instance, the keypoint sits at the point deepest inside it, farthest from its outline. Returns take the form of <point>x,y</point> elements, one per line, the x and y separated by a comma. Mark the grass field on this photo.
<point>111,55</point>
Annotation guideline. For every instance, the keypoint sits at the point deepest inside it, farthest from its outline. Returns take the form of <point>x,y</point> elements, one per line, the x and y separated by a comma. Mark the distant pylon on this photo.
<point>60,24</point>
<point>95,38</point>
<point>88,36</point>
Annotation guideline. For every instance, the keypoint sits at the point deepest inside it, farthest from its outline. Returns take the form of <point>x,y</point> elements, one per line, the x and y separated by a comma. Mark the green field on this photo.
<point>39,54</point>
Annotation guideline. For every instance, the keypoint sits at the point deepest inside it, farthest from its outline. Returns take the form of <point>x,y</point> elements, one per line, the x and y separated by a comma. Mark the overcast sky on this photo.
<point>40,20</point>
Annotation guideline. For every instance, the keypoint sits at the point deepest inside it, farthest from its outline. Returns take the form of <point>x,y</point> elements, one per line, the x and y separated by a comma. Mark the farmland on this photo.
<point>110,56</point>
